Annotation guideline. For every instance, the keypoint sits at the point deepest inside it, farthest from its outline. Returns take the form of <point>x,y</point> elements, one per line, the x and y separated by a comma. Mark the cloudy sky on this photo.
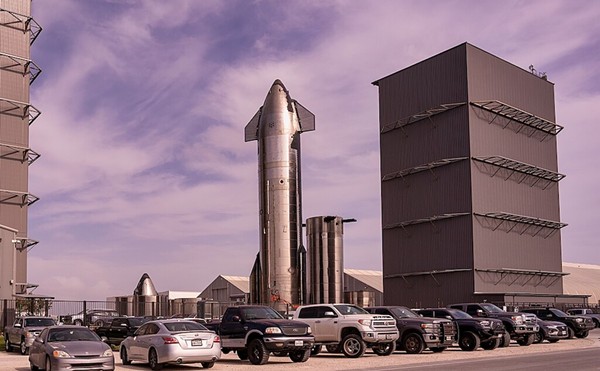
<point>144,167</point>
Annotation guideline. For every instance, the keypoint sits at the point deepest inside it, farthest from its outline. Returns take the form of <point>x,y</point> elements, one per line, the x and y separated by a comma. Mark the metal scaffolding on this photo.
<point>417,169</point>
<point>17,198</point>
<point>520,273</point>
<point>430,219</point>
<point>428,273</point>
<point>419,116</point>
<point>517,115</point>
<point>18,109</point>
<point>22,23</point>
<point>24,243</point>
<point>19,65</point>
<point>521,167</point>
<point>12,152</point>
<point>511,221</point>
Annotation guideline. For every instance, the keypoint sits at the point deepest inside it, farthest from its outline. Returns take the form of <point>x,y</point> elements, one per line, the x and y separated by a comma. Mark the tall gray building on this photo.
<point>17,71</point>
<point>469,182</point>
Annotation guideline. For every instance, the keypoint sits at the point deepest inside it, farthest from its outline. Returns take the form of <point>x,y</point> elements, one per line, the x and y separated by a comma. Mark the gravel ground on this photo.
<point>330,362</point>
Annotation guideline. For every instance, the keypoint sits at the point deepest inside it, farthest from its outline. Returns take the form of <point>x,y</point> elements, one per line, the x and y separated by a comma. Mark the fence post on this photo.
<point>84,320</point>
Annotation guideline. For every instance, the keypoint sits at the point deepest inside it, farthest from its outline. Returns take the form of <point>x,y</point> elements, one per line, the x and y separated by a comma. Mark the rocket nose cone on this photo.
<point>278,83</point>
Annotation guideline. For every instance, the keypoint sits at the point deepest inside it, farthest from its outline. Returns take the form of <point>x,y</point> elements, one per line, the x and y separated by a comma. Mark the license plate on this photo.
<point>197,342</point>
<point>298,343</point>
<point>448,337</point>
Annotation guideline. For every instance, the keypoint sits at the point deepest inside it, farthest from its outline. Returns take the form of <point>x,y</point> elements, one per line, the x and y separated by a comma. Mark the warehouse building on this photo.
<point>469,183</point>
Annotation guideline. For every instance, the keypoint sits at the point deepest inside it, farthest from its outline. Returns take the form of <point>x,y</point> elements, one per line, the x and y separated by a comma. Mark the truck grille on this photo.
<point>530,319</point>
<point>448,328</point>
<point>380,322</point>
<point>294,330</point>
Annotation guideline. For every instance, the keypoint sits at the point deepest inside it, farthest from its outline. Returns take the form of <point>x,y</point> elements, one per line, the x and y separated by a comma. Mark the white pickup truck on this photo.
<point>349,329</point>
<point>24,330</point>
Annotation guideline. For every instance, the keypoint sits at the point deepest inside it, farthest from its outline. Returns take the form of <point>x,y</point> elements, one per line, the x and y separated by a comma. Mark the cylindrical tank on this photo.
<point>324,235</point>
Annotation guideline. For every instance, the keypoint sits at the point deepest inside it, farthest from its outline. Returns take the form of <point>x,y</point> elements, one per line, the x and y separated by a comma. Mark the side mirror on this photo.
<point>39,340</point>
<point>104,339</point>
<point>449,317</point>
<point>329,314</point>
<point>235,318</point>
<point>17,325</point>
<point>480,313</point>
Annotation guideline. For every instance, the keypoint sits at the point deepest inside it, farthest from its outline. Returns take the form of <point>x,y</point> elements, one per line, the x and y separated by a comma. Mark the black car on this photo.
<point>578,326</point>
<point>472,332</point>
<point>552,331</point>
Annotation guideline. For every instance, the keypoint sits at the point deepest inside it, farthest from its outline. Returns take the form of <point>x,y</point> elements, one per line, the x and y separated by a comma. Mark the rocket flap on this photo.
<point>251,130</point>
<point>305,118</point>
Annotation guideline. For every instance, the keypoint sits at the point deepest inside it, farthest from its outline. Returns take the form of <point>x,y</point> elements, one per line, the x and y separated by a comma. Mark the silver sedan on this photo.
<point>70,348</point>
<point>171,341</point>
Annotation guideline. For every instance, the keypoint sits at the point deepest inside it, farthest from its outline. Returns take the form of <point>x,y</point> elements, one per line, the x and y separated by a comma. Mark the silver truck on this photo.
<point>349,329</point>
<point>24,330</point>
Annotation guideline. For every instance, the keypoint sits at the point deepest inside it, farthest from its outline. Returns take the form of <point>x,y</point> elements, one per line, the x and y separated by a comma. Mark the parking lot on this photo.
<point>329,362</point>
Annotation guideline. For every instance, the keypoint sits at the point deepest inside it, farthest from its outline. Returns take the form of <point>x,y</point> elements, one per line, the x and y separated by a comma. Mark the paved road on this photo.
<point>574,355</point>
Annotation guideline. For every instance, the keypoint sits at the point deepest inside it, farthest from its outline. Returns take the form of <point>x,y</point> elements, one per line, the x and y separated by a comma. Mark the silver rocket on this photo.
<point>278,276</point>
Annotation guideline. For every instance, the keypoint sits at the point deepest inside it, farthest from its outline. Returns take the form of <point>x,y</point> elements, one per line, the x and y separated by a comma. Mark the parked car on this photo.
<point>96,317</point>
<point>348,328</point>
<point>119,329</point>
<point>176,341</point>
<point>578,326</point>
<point>418,332</point>
<point>585,312</point>
<point>552,331</point>
<point>24,330</point>
<point>256,331</point>
<point>69,347</point>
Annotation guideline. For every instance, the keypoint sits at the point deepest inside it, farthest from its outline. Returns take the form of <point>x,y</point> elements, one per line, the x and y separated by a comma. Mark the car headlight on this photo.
<point>579,320</point>
<point>309,330</point>
<point>272,330</point>
<point>107,353</point>
<point>29,334</point>
<point>365,322</point>
<point>517,319</point>
<point>61,354</point>
<point>485,323</point>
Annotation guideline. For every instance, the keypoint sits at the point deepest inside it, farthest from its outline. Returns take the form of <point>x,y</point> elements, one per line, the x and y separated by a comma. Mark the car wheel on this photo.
<point>78,322</point>
<point>124,357</point>
<point>257,352</point>
<point>571,333</point>
<point>242,354</point>
<point>539,337</point>
<point>316,350</point>
<point>23,347</point>
<point>384,349</point>
<point>48,365</point>
<point>7,346</point>
<point>437,349</point>
<point>353,346</point>
<point>413,344</point>
<point>99,323</point>
<point>490,344</point>
<point>469,341</point>
<point>153,360</point>
<point>335,348</point>
<point>207,364</point>
<point>526,340</point>
<point>582,334</point>
<point>505,340</point>
<point>33,367</point>
<point>300,355</point>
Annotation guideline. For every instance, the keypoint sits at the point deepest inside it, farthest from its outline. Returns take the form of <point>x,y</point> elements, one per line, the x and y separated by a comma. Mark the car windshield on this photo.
<point>260,313</point>
<point>137,321</point>
<point>72,334</point>
<point>350,309</point>
<point>459,314</point>
<point>558,312</point>
<point>181,326</point>
<point>402,312</point>
<point>39,322</point>
<point>492,308</point>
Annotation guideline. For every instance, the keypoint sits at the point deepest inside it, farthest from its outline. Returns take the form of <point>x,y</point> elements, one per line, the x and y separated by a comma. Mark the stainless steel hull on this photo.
<point>278,277</point>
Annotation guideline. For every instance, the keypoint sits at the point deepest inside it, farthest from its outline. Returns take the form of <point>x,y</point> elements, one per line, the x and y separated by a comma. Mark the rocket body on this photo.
<point>278,276</point>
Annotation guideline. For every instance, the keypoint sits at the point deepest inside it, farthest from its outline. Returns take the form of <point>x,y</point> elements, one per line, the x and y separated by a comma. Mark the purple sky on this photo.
<point>144,168</point>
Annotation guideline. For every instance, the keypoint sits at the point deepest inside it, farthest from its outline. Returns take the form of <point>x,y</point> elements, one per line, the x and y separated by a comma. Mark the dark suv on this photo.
<point>473,332</point>
<point>578,326</point>
<point>417,332</point>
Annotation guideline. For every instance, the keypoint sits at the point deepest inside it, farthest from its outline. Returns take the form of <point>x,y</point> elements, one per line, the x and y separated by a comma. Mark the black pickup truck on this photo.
<point>520,327</point>
<point>254,331</point>
<point>418,332</point>
<point>473,332</point>
<point>119,329</point>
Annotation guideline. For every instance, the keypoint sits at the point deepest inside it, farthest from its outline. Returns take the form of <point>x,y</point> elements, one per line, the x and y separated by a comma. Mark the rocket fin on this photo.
<point>251,130</point>
<point>305,118</point>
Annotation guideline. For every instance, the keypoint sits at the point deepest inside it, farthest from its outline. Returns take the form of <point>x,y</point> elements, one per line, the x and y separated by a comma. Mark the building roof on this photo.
<point>241,282</point>
<point>584,279</point>
<point>370,278</point>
